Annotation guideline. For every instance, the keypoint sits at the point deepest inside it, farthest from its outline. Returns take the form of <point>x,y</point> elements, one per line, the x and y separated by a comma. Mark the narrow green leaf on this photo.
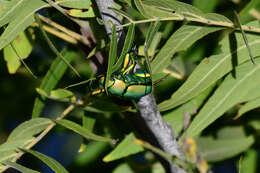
<point>22,50</point>
<point>141,8</point>
<point>181,40</point>
<point>112,56</point>
<point>244,38</point>
<point>250,161</point>
<point>21,21</point>
<point>51,79</point>
<point>176,117</point>
<point>153,29</point>
<point>227,95</point>
<point>9,10</point>
<point>127,46</point>
<point>217,150</point>
<point>19,167</point>
<point>53,164</point>
<point>213,68</point>
<point>83,132</point>
<point>63,95</point>
<point>125,148</point>
<point>15,144</point>
<point>29,128</point>
<point>124,14</point>
<point>253,104</point>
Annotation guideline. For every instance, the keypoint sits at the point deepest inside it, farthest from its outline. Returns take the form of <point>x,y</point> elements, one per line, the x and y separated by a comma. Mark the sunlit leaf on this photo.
<point>22,47</point>
<point>213,68</point>
<point>227,95</point>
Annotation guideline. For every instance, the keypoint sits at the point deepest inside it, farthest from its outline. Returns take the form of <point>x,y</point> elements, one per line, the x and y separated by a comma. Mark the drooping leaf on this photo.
<point>125,148</point>
<point>153,29</point>
<point>112,56</point>
<point>227,95</point>
<point>51,79</point>
<point>22,47</point>
<point>53,164</point>
<point>9,149</point>
<point>127,46</point>
<point>83,132</point>
<point>217,150</point>
<point>213,68</point>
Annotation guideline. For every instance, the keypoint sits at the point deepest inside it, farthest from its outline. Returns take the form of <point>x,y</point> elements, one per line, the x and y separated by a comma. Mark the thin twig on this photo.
<point>43,133</point>
<point>181,18</point>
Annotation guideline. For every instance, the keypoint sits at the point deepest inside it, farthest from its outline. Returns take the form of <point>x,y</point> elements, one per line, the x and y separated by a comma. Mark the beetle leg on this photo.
<point>127,68</point>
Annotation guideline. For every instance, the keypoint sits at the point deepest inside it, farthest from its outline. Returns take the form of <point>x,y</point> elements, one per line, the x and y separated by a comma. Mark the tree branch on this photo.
<point>149,115</point>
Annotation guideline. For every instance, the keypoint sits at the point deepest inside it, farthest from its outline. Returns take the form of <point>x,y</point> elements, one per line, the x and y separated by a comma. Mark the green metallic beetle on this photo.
<point>130,82</point>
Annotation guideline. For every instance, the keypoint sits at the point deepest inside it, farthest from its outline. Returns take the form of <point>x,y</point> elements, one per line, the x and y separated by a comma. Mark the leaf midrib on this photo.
<point>224,98</point>
<point>212,70</point>
<point>12,9</point>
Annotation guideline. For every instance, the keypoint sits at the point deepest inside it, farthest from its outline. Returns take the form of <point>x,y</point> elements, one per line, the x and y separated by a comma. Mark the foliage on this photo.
<point>210,98</point>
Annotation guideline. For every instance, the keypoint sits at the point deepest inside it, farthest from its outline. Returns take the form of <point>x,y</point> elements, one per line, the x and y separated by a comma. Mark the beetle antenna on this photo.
<point>80,83</point>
